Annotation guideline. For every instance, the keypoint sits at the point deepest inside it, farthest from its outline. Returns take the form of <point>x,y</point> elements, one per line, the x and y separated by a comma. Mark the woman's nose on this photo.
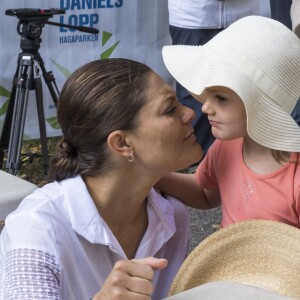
<point>188,114</point>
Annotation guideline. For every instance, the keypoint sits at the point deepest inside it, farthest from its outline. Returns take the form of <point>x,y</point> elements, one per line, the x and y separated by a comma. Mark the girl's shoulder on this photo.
<point>226,149</point>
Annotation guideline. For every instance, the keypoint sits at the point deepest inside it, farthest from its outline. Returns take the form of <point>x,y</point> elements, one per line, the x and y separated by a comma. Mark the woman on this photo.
<point>100,229</point>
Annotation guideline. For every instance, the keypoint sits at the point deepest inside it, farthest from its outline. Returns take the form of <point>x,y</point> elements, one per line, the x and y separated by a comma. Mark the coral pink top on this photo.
<point>245,194</point>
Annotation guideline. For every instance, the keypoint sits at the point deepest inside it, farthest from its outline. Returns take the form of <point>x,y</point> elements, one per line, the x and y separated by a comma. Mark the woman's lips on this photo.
<point>191,137</point>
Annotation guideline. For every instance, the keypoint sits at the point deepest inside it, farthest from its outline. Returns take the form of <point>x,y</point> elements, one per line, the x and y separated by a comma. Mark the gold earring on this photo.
<point>130,158</point>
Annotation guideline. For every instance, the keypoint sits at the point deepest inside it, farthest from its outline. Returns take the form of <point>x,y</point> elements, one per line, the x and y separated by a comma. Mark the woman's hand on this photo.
<point>131,279</point>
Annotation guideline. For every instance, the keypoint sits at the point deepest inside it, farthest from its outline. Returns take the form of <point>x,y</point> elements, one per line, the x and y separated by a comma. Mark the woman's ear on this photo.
<point>117,143</point>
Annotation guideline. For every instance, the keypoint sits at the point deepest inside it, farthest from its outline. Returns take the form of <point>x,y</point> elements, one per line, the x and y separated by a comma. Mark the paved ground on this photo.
<point>203,223</point>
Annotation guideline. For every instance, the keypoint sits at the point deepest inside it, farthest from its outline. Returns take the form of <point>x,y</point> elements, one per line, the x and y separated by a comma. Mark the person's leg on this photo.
<point>281,11</point>
<point>182,36</point>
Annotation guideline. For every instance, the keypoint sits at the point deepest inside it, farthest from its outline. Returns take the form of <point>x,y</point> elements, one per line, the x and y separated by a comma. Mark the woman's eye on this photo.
<point>171,110</point>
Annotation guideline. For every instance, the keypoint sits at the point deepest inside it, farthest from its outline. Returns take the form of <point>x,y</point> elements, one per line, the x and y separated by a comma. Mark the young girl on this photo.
<point>248,79</point>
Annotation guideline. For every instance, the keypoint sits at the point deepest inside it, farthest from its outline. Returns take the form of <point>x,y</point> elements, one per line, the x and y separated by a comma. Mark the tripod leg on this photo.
<point>23,82</point>
<point>49,79</point>
<point>42,124</point>
<point>17,129</point>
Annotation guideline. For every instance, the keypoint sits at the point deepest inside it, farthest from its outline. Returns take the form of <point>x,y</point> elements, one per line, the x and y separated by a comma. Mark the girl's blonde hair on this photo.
<point>282,156</point>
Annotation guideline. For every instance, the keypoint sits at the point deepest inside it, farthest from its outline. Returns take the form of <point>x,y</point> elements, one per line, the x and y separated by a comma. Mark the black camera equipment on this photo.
<point>27,77</point>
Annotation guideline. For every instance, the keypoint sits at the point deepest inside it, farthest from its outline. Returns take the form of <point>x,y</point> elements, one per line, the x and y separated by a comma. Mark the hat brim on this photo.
<point>261,253</point>
<point>197,68</point>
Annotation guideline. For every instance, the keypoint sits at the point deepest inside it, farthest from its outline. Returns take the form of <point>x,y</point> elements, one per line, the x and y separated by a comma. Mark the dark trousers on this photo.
<point>281,11</point>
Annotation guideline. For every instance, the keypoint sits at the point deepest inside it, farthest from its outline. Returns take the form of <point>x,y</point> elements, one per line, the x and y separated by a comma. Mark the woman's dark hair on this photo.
<point>100,97</point>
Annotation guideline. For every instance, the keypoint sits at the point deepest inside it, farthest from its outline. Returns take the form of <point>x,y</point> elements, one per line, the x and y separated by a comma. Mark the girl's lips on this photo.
<point>214,123</point>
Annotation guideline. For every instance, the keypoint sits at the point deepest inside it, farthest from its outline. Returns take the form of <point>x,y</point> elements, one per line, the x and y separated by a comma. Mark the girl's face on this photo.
<point>226,113</point>
<point>164,139</point>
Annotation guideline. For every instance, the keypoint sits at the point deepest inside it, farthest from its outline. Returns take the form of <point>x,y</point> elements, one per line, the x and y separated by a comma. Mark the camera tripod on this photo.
<point>27,77</point>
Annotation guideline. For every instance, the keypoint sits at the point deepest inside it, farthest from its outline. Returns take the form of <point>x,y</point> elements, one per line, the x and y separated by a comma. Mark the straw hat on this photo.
<point>260,253</point>
<point>295,16</point>
<point>259,59</point>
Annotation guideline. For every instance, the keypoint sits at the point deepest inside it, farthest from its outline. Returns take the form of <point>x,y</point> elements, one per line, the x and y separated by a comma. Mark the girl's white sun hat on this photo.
<point>259,59</point>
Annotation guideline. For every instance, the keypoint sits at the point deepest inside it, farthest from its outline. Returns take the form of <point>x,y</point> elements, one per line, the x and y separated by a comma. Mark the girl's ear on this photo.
<point>117,143</point>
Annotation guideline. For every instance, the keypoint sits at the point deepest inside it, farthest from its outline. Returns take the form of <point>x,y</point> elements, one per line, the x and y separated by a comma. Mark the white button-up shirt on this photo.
<point>57,246</point>
<point>214,14</point>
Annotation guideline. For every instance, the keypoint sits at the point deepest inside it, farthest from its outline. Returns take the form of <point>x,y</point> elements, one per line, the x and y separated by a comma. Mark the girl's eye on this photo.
<point>220,97</point>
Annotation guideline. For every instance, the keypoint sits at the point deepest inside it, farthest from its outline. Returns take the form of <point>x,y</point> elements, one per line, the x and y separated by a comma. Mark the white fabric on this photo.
<point>12,190</point>
<point>57,246</point>
<point>213,14</point>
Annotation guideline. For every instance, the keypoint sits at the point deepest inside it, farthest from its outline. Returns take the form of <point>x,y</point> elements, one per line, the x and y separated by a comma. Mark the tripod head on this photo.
<point>31,22</point>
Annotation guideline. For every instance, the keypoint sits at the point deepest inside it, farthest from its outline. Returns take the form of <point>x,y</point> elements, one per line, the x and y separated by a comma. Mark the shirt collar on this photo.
<point>87,222</point>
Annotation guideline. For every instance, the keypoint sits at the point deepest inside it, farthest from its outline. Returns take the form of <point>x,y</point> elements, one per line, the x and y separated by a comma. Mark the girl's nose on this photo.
<point>207,108</point>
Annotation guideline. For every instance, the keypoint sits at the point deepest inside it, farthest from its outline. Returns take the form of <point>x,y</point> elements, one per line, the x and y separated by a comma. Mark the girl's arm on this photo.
<point>185,188</point>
